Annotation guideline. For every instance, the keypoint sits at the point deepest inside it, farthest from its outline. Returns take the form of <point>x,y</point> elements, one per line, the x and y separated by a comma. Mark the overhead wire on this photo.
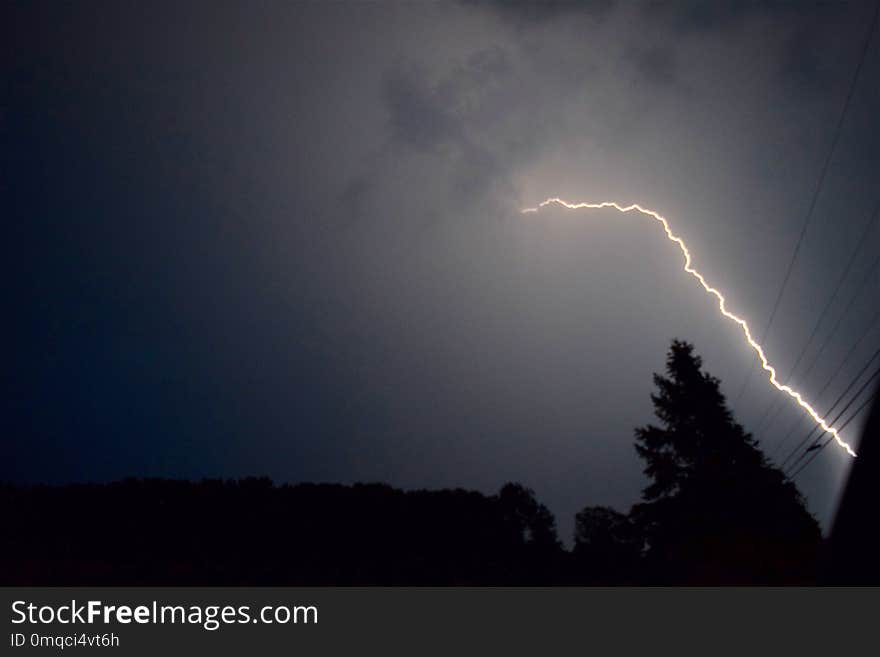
<point>852,350</point>
<point>821,447</point>
<point>836,418</point>
<point>863,236</point>
<point>871,378</point>
<point>821,181</point>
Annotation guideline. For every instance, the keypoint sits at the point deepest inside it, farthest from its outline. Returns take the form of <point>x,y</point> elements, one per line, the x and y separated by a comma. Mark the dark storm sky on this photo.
<point>284,239</point>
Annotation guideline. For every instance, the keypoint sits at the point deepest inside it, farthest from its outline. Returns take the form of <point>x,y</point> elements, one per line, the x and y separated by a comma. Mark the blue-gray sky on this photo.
<point>284,239</point>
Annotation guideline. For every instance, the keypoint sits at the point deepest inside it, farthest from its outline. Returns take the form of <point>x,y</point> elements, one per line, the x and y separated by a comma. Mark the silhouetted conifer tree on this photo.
<point>715,511</point>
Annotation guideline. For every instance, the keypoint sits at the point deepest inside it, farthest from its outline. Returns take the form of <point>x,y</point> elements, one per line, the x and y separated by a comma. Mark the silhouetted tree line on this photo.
<point>714,512</point>
<point>252,532</point>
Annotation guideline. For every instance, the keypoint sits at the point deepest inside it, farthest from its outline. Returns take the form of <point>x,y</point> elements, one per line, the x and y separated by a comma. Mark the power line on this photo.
<point>851,351</point>
<point>862,285</point>
<point>817,190</point>
<point>837,401</point>
<point>819,449</point>
<point>853,348</point>
<point>843,410</point>
<point>869,226</point>
<point>865,280</point>
<point>849,305</point>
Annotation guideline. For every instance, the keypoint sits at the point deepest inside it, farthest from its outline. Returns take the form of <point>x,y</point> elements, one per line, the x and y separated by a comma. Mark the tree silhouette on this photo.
<point>607,547</point>
<point>715,511</point>
<point>530,535</point>
<point>530,520</point>
<point>252,532</point>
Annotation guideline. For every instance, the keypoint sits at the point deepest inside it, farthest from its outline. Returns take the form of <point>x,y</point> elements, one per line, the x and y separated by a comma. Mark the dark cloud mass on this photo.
<point>286,240</point>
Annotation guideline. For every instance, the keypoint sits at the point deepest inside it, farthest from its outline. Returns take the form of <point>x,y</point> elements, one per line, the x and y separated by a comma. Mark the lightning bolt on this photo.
<point>747,333</point>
